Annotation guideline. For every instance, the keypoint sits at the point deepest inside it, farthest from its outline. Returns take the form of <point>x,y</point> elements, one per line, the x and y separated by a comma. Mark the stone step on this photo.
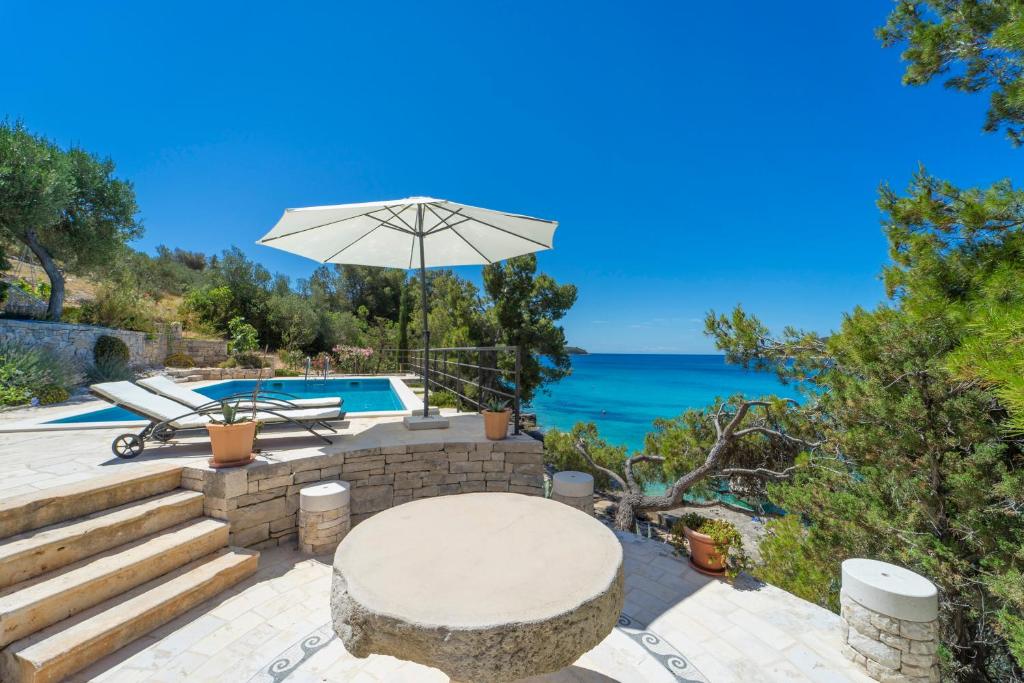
<point>61,503</point>
<point>32,605</point>
<point>60,650</point>
<point>42,550</point>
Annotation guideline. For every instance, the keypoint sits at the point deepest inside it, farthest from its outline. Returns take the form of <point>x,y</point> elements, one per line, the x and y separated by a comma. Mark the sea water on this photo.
<point>623,393</point>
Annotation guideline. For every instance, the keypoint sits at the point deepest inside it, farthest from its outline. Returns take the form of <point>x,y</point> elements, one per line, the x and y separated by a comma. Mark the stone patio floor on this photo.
<point>677,625</point>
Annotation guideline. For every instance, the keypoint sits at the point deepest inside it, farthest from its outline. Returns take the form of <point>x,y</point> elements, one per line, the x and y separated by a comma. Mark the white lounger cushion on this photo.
<point>167,387</point>
<point>160,409</point>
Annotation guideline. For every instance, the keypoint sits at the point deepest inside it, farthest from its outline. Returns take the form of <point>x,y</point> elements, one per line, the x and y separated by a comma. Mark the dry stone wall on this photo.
<point>76,342</point>
<point>261,501</point>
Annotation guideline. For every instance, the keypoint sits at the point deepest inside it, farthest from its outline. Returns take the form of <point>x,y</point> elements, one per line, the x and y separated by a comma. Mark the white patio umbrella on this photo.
<point>408,233</point>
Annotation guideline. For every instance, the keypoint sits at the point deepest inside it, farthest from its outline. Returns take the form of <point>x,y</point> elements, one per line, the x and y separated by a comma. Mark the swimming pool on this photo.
<point>359,396</point>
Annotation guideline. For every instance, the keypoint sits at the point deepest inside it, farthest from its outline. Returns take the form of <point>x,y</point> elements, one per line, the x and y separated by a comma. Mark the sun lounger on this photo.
<point>167,417</point>
<point>168,388</point>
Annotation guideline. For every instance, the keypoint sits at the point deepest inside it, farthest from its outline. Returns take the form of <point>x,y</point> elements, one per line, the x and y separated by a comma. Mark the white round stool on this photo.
<point>324,516</point>
<point>575,489</point>
<point>890,621</point>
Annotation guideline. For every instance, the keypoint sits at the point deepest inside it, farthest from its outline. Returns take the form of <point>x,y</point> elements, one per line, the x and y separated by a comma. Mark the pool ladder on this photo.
<point>309,366</point>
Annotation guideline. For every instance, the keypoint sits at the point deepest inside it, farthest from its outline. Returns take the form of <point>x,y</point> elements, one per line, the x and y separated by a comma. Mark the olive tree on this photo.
<point>64,205</point>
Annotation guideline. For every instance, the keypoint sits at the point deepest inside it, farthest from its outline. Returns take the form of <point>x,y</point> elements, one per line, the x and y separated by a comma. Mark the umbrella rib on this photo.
<point>444,221</point>
<point>489,261</point>
<point>508,232</point>
<point>399,217</point>
<point>314,227</point>
<point>365,234</point>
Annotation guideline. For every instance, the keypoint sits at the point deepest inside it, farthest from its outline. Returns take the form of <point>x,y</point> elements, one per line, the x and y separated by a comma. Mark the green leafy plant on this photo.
<point>24,370</point>
<point>179,360</point>
<point>119,306</point>
<point>111,347</point>
<point>285,372</point>
<point>229,415</point>
<point>292,359</point>
<point>495,405</point>
<point>242,336</point>
<point>724,534</point>
<point>443,399</point>
<point>244,360</point>
<point>109,369</point>
<point>51,393</point>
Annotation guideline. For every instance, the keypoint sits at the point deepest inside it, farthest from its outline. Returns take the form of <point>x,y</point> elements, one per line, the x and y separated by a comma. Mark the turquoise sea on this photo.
<point>623,393</point>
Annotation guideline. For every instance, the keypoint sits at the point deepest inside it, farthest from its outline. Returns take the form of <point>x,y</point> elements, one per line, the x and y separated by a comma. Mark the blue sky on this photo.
<point>697,155</point>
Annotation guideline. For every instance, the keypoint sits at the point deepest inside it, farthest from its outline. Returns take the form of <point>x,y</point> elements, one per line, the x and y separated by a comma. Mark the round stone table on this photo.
<point>483,586</point>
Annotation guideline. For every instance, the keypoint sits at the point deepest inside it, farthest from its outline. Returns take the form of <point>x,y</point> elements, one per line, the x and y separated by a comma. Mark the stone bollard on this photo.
<point>575,489</point>
<point>890,622</point>
<point>324,517</point>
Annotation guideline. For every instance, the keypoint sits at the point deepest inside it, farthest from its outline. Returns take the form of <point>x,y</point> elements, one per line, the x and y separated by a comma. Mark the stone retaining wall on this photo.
<point>196,374</point>
<point>75,342</point>
<point>262,500</point>
<point>890,649</point>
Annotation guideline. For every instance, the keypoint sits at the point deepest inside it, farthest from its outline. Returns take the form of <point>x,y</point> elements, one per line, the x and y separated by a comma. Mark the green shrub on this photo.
<point>109,369</point>
<point>24,370</point>
<point>179,360</point>
<point>119,307</point>
<point>443,399</point>
<point>285,372</point>
<point>244,360</point>
<point>243,337</point>
<point>52,393</point>
<point>293,359</point>
<point>111,347</point>
<point>726,537</point>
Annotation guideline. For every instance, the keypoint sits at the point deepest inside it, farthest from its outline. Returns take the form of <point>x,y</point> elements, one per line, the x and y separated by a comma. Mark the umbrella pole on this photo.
<point>426,332</point>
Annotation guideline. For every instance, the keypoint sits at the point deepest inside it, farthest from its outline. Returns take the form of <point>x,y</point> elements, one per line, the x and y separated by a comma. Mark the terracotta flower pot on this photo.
<point>231,444</point>
<point>703,555</point>
<point>496,424</point>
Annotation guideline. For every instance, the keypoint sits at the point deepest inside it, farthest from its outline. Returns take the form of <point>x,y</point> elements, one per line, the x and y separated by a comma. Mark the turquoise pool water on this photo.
<point>359,396</point>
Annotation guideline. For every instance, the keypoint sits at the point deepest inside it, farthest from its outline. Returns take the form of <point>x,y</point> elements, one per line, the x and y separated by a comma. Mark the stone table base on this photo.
<point>484,586</point>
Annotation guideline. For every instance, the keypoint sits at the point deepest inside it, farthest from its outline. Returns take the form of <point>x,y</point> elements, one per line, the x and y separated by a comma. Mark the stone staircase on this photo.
<point>87,568</point>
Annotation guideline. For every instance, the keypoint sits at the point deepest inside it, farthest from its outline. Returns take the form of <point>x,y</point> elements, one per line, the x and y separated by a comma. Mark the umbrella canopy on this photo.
<point>417,232</point>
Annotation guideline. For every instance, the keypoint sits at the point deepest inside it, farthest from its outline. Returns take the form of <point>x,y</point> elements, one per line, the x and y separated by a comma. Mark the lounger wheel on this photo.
<point>127,446</point>
<point>164,435</point>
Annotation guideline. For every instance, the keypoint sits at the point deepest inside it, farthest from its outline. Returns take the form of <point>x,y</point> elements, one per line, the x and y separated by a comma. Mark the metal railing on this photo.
<point>473,374</point>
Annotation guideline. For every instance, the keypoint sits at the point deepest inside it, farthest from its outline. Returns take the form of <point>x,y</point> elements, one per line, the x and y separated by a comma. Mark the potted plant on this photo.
<point>716,547</point>
<point>231,437</point>
<point>496,415</point>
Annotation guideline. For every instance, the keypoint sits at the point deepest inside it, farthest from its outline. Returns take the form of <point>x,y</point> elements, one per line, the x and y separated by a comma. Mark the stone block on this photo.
<point>371,499</point>
<point>361,465</point>
<point>898,642</point>
<point>250,536</point>
<point>253,515</point>
<point>493,466</point>
<point>408,481</point>
<point>253,498</point>
<point>455,478</point>
<point>479,455</point>
<point>526,479</point>
<point>425,492</point>
<point>226,483</point>
<point>329,472</point>
<point>476,476</point>
<point>268,469</point>
<point>463,467</point>
<point>520,458</point>
<point>306,476</point>
<point>500,486</point>
<point>496,476</point>
<point>917,630</point>
<point>426,448</point>
<point>529,468</point>
<point>447,489</point>
<point>458,457</point>
<point>472,486</point>
<point>315,462</point>
<point>402,456</point>
<point>526,490</point>
<point>378,479</point>
<point>924,647</point>
<point>875,650</point>
<point>283,523</point>
<point>275,482</point>
<point>411,466</point>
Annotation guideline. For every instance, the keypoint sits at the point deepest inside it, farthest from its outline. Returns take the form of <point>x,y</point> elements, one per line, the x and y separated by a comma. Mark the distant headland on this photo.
<point>575,351</point>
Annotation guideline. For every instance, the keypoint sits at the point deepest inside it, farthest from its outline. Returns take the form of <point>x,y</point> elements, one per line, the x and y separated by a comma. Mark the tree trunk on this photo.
<point>625,512</point>
<point>56,304</point>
